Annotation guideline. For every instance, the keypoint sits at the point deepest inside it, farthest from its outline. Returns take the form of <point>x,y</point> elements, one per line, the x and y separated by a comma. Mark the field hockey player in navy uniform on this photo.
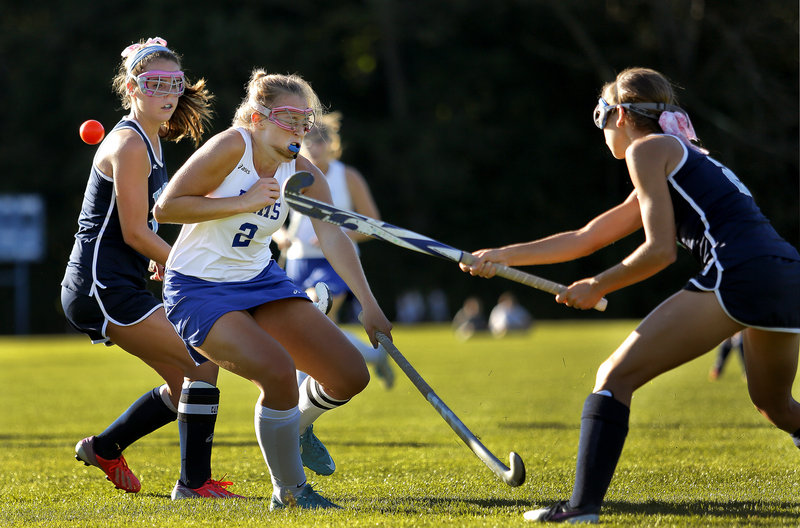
<point>749,278</point>
<point>231,302</point>
<point>104,293</point>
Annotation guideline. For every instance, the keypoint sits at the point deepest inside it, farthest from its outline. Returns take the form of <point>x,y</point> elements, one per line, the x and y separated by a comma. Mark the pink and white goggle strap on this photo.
<point>678,124</point>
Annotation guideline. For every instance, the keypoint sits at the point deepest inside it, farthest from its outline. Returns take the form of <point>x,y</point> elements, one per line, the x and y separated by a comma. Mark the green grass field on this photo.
<point>698,454</point>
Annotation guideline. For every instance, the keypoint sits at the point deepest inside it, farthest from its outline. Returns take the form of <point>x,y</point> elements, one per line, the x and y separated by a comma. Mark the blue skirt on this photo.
<point>193,305</point>
<point>763,292</point>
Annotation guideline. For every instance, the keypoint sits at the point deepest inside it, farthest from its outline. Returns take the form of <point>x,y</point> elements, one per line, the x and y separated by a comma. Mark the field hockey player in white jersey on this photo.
<point>749,278</point>
<point>305,263</point>
<point>104,293</point>
<point>231,302</point>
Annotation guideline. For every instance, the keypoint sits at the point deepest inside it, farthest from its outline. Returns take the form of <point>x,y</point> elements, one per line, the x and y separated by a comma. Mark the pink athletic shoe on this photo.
<point>212,489</point>
<point>116,469</point>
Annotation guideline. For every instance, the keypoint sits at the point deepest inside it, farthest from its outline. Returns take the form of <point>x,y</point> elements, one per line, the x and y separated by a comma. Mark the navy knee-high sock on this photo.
<point>604,426</point>
<point>144,416</point>
<point>197,416</point>
<point>796,438</point>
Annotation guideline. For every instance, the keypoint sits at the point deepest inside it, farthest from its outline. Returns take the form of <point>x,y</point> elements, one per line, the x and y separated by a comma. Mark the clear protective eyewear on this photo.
<point>651,110</point>
<point>289,117</point>
<point>157,83</point>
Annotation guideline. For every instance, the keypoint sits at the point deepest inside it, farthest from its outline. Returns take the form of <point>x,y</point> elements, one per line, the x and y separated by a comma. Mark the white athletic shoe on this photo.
<point>307,498</point>
<point>560,512</point>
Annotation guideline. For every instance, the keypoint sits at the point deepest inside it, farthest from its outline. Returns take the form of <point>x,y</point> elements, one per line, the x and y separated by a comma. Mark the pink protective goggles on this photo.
<point>157,83</point>
<point>288,117</point>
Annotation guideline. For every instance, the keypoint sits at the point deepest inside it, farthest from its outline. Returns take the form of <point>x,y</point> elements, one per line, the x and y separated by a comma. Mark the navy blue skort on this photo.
<point>763,292</point>
<point>123,306</point>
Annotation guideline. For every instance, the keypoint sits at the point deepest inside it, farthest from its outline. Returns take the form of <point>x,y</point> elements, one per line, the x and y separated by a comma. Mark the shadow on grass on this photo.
<point>426,505</point>
<point>732,510</point>
<point>558,426</point>
<point>720,509</point>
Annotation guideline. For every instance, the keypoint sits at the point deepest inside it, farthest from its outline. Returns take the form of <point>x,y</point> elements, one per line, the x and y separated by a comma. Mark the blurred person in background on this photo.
<point>509,316</point>
<point>304,262</point>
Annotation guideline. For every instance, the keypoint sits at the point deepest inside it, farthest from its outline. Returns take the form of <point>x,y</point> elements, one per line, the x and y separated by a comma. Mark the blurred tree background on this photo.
<point>470,119</point>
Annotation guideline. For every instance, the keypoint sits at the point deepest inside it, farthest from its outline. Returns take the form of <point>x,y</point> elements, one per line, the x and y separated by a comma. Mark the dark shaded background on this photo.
<point>470,119</point>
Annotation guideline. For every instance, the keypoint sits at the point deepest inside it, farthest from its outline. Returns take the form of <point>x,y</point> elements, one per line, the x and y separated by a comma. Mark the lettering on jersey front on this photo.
<point>247,231</point>
<point>242,168</point>
<point>270,212</point>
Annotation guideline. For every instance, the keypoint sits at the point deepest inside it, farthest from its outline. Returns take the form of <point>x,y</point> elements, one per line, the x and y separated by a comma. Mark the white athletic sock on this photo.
<point>278,438</point>
<point>371,355</point>
<point>313,402</point>
<point>163,391</point>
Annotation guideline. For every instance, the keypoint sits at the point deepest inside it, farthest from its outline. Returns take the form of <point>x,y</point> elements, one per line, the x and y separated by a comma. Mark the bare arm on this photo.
<point>340,252</point>
<point>610,226</point>
<point>648,162</point>
<point>185,199</point>
<point>128,164</point>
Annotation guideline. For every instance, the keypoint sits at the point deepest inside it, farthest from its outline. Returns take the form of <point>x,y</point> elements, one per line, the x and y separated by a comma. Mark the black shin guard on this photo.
<point>197,416</point>
<point>604,426</point>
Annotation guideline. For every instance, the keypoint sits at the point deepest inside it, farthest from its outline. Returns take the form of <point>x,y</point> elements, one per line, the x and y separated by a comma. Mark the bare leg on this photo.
<point>155,342</point>
<point>771,365</point>
<point>317,346</point>
<point>682,328</point>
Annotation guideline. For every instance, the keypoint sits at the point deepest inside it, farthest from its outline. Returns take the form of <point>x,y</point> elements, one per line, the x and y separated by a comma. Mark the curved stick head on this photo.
<point>299,181</point>
<point>324,298</point>
<point>515,476</point>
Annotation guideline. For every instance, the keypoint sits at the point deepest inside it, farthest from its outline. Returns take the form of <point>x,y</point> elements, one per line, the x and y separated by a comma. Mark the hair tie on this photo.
<point>136,52</point>
<point>678,124</point>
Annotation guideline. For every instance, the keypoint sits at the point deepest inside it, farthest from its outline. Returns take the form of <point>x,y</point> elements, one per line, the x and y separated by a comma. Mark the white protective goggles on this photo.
<point>157,83</point>
<point>651,110</point>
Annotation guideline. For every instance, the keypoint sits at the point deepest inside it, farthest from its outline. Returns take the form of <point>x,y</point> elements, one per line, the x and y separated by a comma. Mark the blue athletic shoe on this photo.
<point>305,498</point>
<point>314,454</point>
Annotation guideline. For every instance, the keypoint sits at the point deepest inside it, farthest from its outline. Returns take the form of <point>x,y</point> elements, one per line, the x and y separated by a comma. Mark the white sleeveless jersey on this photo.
<point>301,232</point>
<point>235,248</point>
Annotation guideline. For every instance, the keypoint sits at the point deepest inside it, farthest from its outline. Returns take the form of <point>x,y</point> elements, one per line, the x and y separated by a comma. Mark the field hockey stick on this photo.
<point>513,476</point>
<point>402,237</point>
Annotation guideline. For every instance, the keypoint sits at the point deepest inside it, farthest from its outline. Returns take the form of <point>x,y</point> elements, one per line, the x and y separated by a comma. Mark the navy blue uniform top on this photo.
<point>717,219</point>
<point>100,257</point>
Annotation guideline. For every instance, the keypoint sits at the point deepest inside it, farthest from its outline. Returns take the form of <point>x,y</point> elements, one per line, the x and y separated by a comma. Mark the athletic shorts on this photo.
<point>122,306</point>
<point>763,292</point>
<point>193,305</point>
<point>309,271</point>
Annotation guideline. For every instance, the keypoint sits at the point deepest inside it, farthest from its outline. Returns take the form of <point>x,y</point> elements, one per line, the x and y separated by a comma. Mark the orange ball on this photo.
<point>92,132</point>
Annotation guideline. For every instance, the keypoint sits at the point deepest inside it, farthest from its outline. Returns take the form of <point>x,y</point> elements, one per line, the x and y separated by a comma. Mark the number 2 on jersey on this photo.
<point>245,235</point>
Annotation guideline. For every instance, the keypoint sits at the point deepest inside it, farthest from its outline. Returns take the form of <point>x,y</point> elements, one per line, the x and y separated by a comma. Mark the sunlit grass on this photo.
<point>698,454</point>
